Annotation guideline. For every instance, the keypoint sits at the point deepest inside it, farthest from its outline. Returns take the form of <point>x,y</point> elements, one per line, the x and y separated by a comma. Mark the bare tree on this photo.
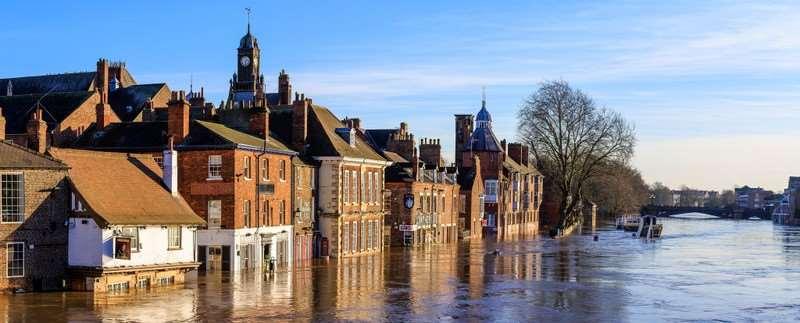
<point>571,138</point>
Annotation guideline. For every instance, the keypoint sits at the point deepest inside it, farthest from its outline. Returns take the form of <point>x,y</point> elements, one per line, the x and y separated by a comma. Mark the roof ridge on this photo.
<point>26,149</point>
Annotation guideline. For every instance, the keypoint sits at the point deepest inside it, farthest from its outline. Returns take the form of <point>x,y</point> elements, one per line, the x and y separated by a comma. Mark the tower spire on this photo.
<point>483,96</point>
<point>248,10</point>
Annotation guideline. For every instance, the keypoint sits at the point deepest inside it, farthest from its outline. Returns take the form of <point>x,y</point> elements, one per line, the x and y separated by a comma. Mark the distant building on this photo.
<point>129,228</point>
<point>33,209</point>
<point>751,197</point>
<point>70,101</point>
<point>512,187</point>
<point>424,193</point>
<point>786,212</point>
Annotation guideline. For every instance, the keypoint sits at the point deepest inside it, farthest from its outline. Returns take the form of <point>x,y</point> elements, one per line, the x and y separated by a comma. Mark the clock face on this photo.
<point>408,200</point>
<point>245,61</point>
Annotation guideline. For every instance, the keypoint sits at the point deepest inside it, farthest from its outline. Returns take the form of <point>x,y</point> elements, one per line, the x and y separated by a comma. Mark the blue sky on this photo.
<point>712,86</point>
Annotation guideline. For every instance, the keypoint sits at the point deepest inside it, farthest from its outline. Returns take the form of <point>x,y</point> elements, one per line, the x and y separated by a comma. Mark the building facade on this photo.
<point>512,185</point>
<point>33,208</point>
<point>127,230</point>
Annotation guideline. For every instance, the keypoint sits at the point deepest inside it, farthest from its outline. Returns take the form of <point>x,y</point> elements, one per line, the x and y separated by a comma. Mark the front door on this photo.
<point>214,260</point>
<point>267,256</point>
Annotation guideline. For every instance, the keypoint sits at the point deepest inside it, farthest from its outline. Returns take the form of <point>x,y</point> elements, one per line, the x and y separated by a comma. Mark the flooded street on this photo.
<point>700,270</point>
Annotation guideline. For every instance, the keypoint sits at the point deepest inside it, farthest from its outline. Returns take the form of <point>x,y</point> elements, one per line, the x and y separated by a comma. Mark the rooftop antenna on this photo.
<point>249,11</point>
<point>191,82</point>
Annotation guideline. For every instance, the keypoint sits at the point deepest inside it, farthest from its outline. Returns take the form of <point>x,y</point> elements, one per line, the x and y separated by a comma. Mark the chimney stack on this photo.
<point>284,88</point>
<point>430,152</point>
<point>103,109</point>
<point>37,131</point>
<point>518,152</point>
<point>178,117</point>
<point>170,171</point>
<point>300,123</point>
<point>2,125</point>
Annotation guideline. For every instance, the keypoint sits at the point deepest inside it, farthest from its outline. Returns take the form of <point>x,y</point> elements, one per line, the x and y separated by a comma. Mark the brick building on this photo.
<point>33,208</point>
<point>424,194</point>
<point>512,185</point>
<point>128,226</point>
<point>349,176</point>
<point>471,201</point>
<point>70,101</point>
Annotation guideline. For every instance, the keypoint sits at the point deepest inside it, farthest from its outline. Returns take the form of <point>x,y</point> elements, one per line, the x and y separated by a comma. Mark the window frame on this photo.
<point>282,171</point>
<point>135,242</point>
<point>214,167</point>
<point>265,169</point>
<point>171,235</point>
<point>219,214</point>
<point>246,209</point>
<point>346,187</point>
<point>247,168</point>
<point>20,199</point>
<point>10,259</point>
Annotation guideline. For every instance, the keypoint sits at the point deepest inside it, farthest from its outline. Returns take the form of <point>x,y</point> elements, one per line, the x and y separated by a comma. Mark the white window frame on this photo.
<point>20,199</point>
<point>171,232</point>
<point>246,209</point>
<point>133,233</point>
<point>353,187</point>
<point>265,169</point>
<point>247,168</point>
<point>282,171</point>
<point>8,258</point>
<point>346,187</point>
<point>210,206</point>
<point>215,166</point>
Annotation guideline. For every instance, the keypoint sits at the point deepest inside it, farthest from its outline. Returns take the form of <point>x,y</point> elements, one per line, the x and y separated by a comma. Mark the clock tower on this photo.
<point>247,84</point>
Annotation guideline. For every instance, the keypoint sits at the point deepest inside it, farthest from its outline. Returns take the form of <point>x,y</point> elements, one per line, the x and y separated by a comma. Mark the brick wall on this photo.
<point>46,211</point>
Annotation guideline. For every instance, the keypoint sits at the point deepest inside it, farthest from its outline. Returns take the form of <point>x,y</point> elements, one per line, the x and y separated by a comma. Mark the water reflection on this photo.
<point>700,270</point>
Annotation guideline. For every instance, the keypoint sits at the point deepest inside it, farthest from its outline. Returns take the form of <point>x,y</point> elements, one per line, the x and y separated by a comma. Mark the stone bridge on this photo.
<point>658,210</point>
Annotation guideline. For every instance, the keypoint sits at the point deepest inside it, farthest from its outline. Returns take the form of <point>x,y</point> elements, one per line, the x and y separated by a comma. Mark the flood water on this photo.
<point>700,270</point>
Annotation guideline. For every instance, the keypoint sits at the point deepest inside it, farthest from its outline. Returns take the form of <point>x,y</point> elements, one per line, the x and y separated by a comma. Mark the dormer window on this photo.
<point>76,204</point>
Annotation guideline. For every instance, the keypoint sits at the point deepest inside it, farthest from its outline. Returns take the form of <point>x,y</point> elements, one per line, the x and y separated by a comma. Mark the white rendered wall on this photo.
<point>85,247</point>
<point>153,250</point>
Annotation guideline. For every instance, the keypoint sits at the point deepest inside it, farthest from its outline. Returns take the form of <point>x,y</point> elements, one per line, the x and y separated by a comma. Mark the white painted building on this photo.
<point>252,247</point>
<point>126,229</point>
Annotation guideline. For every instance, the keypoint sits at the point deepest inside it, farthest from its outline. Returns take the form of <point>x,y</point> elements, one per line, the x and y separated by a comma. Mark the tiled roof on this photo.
<point>379,137</point>
<point>204,133</point>
<point>15,156</point>
<point>57,106</point>
<point>483,139</point>
<point>128,102</point>
<point>513,165</point>
<point>124,189</point>
<point>66,82</point>
<point>399,173</point>
<point>324,141</point>
<point>126,136</point>
<point>394,157</point>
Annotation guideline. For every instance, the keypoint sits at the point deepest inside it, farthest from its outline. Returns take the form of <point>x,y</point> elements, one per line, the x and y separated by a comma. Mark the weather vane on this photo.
<point>249,11</point>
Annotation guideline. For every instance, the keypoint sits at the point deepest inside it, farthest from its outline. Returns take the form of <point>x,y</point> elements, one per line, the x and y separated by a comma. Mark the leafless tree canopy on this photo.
<point>570,138</point>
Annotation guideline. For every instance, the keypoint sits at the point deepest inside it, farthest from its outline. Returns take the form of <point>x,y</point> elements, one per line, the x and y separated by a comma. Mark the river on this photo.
<point>699,270</point>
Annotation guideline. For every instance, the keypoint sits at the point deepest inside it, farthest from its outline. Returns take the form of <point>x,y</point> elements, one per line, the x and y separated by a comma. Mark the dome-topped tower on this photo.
<point>483,119</point>
<point>483,139</point>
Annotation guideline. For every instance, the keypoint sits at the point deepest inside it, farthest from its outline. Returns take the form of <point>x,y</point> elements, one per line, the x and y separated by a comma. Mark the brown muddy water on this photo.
<point>700,270</point>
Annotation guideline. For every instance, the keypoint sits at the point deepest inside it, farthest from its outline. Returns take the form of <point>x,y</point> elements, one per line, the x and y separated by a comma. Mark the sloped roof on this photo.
<point>205,133</point>
<point>400,172</point>
<point>126,136</point>
<point>379,137</point>
<point>66,82</point>
<point>394,157</point>
<point>513,165</point>
<point>124,189</point>
<point>483,139</point>
<point>324,141</point>
<point>15,156</point>
<point>57,106</point>
<point>128,102</point>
